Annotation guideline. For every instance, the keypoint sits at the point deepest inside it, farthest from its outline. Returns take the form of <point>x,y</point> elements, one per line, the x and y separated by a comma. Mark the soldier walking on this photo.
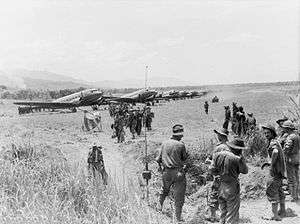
<point>172,157</point>
<point>96,163</point>
<point>228,165</point>
<point>206,106</point>
<point>274,189</point>
<point>132,122</point>
<point>119,127</point>
<point>222,136</point>
<point>227,117</point>
<point>291,151</point>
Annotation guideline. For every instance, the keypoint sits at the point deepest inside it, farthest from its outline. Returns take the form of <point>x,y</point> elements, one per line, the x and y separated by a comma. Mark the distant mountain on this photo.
<point>39,80</point>
<point>11,81</point>
<point>48,80</point>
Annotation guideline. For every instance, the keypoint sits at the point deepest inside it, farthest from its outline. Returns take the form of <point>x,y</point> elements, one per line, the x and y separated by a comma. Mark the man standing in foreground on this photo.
<point>274,190</point>
<point>291,151</point>
<point>171,157</point>
<point>222,136</point>
<point>228,165</point>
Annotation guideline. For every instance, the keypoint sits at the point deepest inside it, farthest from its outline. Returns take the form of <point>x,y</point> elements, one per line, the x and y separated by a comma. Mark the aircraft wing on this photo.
<point>119,99</point>
<point>53,105</point>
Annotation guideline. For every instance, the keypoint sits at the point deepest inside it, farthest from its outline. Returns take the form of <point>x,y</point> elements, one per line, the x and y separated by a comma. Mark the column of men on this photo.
<point>240,123</point>
<point>134,119</point>
<point>226,163</point>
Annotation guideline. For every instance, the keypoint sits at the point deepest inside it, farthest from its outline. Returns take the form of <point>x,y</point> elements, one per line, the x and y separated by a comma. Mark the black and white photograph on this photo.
<point>149,111</point>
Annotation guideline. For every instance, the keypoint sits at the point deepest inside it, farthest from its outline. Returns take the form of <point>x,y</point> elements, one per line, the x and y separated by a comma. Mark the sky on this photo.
<point>199,41</point>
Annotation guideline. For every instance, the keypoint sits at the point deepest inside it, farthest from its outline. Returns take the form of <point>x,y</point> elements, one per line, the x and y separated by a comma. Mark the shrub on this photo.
<point>36,189</point>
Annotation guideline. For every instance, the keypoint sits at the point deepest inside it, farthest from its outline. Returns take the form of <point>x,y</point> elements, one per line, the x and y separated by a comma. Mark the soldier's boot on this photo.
<point>275,217</point>
<point>282,211</point>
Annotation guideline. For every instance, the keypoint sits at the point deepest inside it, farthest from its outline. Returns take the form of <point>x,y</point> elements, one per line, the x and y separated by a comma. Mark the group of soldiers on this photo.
<point>226,163</point>
<point>134,119</point>
<point>241,124</point>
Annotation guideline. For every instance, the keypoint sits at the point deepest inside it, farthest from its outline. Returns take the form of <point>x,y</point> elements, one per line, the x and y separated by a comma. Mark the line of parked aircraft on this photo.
<point>92,97</point>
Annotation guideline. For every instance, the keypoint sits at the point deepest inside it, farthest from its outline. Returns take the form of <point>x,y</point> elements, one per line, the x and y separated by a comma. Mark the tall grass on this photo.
<point>36,189</point>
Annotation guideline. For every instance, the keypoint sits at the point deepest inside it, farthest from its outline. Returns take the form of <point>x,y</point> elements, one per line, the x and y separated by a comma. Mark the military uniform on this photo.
<point>241,118</point>
<point>227,118</point>
<point>214,193</point>
<point>119,126</point>
<point>274,190</point>
<point>139,118</point>
<point>96,164</point>
<point>172,156</point>
<point>132,123</point>
<point>228,166</point>
<point>148,119</point>
<point>291,152</point>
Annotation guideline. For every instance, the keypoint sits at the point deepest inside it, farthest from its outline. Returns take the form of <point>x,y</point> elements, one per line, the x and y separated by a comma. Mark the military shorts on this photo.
<point>274,190</point>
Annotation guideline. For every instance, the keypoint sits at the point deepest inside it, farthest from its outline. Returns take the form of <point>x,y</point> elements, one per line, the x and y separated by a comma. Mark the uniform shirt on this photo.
<point>291,148</point>
<point>281,137</point>
<point>172,154</point>
<point>275,152</point>
<point>219,148</point>
<point>228,166</point>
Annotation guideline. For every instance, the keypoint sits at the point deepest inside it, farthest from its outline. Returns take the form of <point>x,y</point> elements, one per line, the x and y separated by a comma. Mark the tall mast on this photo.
<point>146,76</point>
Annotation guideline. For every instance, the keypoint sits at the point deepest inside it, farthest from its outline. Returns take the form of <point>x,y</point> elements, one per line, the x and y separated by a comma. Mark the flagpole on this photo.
<point>146,76</point>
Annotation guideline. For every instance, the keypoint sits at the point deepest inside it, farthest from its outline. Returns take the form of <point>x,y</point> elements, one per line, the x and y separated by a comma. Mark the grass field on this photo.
<point>58,139</point>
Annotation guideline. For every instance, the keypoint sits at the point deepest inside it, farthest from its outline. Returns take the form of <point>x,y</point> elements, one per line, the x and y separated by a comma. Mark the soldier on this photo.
<point>228,165</point>
<point>172,157</point>
<point>241,118</point>
<point>139,124</point>
<point>281,134</point>
<point>274,189</point>
<point>96,163</point>
<point>148,118</point>
<point>119,126</point>
<point>206,105</point>
<point>234,122</point>
<point>227,117</point>
<point>132,122</point>
<point>222,136</point>
<point>291,151</point>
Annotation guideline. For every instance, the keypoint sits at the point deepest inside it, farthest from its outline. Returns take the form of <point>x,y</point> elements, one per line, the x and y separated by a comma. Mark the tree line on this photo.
<point>33,94</point>
<point>30,94</point>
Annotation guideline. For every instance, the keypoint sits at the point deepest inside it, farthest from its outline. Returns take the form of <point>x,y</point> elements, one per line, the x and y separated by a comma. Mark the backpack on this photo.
<point>95,156</point>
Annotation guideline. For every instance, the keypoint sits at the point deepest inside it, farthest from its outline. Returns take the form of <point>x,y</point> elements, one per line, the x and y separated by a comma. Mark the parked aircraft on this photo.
<point>88,97</point>
<point>139,96</point>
